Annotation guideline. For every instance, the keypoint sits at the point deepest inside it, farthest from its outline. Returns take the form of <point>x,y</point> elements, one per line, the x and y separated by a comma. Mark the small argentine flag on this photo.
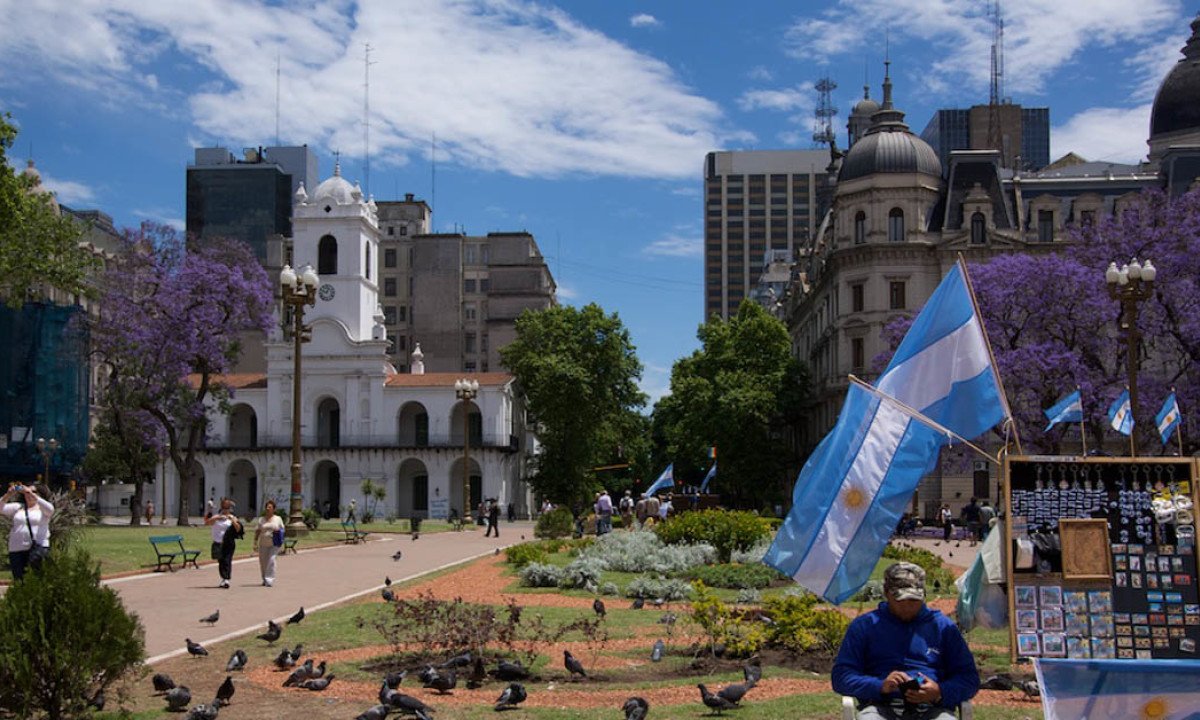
<point>712,473</point>
<point>1120,415</point>
<point>1168,418</point>
<point>1067,410</point>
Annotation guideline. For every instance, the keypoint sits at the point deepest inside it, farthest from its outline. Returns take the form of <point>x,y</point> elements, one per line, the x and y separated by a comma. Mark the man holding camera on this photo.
<point>904,661</point>
<point>226,529</point>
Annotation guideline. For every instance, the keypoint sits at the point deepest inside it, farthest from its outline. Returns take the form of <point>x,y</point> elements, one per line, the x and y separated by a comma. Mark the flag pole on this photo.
<point>1132,449</point>
<point>1178,430</point>
<point>919,417</point>
<point>1082,421</point>
<point>962,263</point>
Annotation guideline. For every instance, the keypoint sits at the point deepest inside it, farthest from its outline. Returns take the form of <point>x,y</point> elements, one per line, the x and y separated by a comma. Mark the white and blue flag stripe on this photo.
<point>853,489</point>
<point>1067,410</point>
<point>712,473</point>
<point>1168,418</point>
<point>1159,689</point>
<point>1119,415</point>
<point>666,480</point>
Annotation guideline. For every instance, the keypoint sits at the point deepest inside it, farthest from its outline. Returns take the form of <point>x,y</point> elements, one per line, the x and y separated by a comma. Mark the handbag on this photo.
<point>37,553</point>
<point>277,537</point>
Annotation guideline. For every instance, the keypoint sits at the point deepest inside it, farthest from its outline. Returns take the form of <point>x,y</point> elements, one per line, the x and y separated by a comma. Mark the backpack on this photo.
<point>626,503</point>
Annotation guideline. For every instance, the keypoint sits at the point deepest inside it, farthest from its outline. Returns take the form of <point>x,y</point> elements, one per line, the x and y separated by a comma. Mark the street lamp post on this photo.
<point>466,390</point>
<point>47,449</point>
<point>1131,284</point>
<point>297,291</point>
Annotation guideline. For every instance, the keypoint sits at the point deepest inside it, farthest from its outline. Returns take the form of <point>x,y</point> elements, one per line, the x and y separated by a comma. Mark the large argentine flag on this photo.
<point>854,487</point>
<point>1067,410</point>
<point>1094,689</point>
<point>664,481</point>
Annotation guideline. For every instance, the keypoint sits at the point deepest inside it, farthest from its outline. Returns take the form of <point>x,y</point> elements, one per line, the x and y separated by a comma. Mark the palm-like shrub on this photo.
<point>555,524</point>
<point>725,530</point>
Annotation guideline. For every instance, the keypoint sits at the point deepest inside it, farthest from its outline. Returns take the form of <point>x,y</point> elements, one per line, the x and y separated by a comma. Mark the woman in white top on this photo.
<point>264,541</point>
<point>225,530</point>
<point>30,515</point>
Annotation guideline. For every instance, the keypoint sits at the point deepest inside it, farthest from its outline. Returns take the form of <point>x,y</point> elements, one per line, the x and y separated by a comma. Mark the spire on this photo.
<point>337,163</point>
<point>887,85</point>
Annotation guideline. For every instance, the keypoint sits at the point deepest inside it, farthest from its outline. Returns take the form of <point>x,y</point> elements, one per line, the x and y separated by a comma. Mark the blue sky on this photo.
<point>585,123</point>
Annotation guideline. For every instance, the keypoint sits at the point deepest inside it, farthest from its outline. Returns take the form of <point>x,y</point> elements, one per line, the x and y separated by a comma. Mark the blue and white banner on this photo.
<point>1127,689</point>
<point>712,473</point>
<point>851,492</point>
<point>1119,415</point>
<point>1067,410</point>
<point>666,480</point>
<point>1168,418</point>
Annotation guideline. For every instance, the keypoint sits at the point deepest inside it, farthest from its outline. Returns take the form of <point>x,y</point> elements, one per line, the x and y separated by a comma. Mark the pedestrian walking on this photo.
<point>970,517</point>
<point>987,513</point>
<point>493,518</point>
<point>639,511</point>
<point>512,512</point>
<point>226,529</point>
<point>268,538</point>
<point>352,512</point>
<point>653,505</point>
<point>946,518</point>
<point>149,512</point>
<point>626,508</point>
<point>604,513</point>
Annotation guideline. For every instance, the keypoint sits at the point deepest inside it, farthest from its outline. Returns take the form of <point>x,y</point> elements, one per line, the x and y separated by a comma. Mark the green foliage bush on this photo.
<point>938,578</point>
<point>725,530</point>
<point>63,639</point>
<point>312,518</point>
<point>525,553</point>
<point>735,577</point>
<point>557,523</point>
<point>801,625</point>
<point>653,588</point>
<point>582,573</point>
<point>539,575</point>
<point>723,625</point>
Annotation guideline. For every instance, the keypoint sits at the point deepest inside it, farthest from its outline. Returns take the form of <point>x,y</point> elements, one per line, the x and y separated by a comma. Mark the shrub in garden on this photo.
<point>651,588</point>
<point>725,530</point>
<point>63,639</point>
<point>582,573</point>
<point>735,577</point>
<point>723,625</point>
<point>748,596</point>
<point>539,575</point>
<point>871,592</point>
<point>801,625</point>
<point>641,551</point>
<point>937,576</point>
<point>557,523</point>
<point>751,555</point>
<point>312,518</point>
<point>525,553</point>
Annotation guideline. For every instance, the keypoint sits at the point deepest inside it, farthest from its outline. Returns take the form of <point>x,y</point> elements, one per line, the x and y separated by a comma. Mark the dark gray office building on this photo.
<point>1021,135</point>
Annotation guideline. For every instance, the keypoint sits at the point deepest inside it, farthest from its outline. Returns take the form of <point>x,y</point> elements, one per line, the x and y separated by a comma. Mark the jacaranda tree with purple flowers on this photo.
<point>1053,326</point>
<point>169,326</point>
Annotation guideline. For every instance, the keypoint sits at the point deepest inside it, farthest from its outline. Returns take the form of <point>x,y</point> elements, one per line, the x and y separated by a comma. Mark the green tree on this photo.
<point>741,392</point>
<point>38,245</point>
<point>579,372</point>
<point>125,447</point>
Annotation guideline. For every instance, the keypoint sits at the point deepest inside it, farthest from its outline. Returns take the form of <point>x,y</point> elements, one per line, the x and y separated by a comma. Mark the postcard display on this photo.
<point>1103,558</point>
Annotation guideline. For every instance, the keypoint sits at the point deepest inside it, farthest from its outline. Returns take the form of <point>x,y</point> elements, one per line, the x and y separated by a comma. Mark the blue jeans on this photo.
<point>18,561</point>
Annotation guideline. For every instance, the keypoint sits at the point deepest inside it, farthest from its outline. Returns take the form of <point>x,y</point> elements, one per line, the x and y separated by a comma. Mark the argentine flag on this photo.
<point>1168,418</point>
<point>1067,410</point>
<point>666,480</point>
<point>1120,416</point>
<point>712,473</point>
<point>853,489</point>
<point>1160,689</point>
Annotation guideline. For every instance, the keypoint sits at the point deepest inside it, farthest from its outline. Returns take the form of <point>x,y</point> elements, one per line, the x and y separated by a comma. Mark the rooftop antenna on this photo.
<point>823,126</point>
<point>997,75</point>
<point>276,98</point>
<point>367,118</point>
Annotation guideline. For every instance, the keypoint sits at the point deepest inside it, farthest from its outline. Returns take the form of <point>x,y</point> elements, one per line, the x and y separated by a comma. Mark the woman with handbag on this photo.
<point>226,529</point>
<point>29,539</point>
<point>268,538</point>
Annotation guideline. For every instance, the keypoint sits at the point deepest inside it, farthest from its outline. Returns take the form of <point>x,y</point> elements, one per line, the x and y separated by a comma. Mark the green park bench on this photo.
<point>174,550</point>
<point>353,534</point>
<point>289,543</point>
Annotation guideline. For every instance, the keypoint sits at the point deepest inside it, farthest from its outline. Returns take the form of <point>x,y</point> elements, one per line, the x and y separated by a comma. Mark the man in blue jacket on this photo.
<point>903,661</point>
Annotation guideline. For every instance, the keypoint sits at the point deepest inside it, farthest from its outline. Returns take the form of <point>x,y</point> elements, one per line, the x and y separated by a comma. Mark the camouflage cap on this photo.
<point>904,581</point>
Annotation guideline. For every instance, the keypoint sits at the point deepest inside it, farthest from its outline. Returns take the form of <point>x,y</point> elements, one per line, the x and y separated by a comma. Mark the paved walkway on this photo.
<point>170,604</point>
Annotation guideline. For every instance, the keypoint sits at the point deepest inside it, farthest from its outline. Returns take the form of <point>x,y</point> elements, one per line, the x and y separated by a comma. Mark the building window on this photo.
<point>483,343</point>
<point>468,285</point>
<point>858,354</point>
<point>860,228</point>
<point>389,287</point>
<point>391,230</point>
<point>857,303</point>
<point>402,315</point>
<point>896,225</point>
<point>327,256</point>
<point>896,295</point>
<point>1045,225</point>
<point>978,228</point>
<point>367,260</point>
<point>469,366</point>
<point>469,343</point>
<point>391,344</point>
<point>421,429</point>
<point>389,258</point>
<point>389,314</point>
<point>402,342</point>
<point>469,254</point>
<point>1087,218</point>
<point>403,229</point>
<point>469,312</point>
<point>484,285</point>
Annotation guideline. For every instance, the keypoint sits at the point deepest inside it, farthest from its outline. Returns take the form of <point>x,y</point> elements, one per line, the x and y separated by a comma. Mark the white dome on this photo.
<point>335,190</point>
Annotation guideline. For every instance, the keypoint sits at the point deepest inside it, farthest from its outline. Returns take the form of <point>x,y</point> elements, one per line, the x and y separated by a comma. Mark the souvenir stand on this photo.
<point>1102,559</point>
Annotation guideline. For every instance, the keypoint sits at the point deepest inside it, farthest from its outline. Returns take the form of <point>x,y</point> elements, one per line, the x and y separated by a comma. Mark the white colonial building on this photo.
<point>360,419</point>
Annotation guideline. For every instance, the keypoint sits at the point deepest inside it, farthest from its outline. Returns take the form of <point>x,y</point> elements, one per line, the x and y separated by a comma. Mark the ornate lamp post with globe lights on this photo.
<point>1131,284</point>
<point>466,390</point>
<point>47,448</point>
<point>297,292</point>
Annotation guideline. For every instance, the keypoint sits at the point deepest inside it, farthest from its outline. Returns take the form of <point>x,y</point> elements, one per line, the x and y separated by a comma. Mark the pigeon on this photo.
<point>657,652</point>
<point>399,554</point>
<point>598,606</point>
<point>718,649</point>
<point>443,682</point>
<point>457,661</point>
<point>284,660</point>
<point>237,661</point>
<point>379,712</point>
<point>658,602</point>
<point>574,667</point>
<point>638,603</point>
<point>319,672</point>
<point>512,696</point>
<point>204,712</point>
<point>950,554</point>
<point>211,619</point>
<point>295,619</point>
<point>415,536</point>
<point>297,652</point>
<point>162,682</point>
<point>385,694</point>
<point>752,670</point>
<point>1031,689</point>
<point>667,619</point>
<point>735,692</point>
<point>178,698</point>
<point>387,581</point>
<point>388,595</point>
<point>510,670</point>
<point>225,691</point>
<point>716,702</point>
<point>426,674</point>
<point>195,649</point>
<point>393,679</point>
<point>300,674</point>
<point>273,632</point>
<point>318,684</point>
<point>997,682</point>
<point>409,705</point>
<point>496,552</point>
<point>478,674</point>
<point>636,708</point>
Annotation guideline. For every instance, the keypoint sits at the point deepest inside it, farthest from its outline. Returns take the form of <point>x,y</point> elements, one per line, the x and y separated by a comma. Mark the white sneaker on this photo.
<point>224,584</point>
<point>269,583</point>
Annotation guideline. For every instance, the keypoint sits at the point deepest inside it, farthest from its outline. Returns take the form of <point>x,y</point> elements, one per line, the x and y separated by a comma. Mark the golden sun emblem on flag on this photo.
<point>854,498</point>
<point>1155,709</point>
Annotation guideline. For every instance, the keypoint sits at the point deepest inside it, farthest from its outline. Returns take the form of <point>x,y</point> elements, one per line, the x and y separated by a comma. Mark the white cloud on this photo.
<point>643,20</point>
<point>1041,37</point>
<point>565,292</point>
<point>795,98</point>
<point>1104,134</point>
<point>161,215</point>
<point>655,382</point>
<point>760,73</point>
<point>686,191</point>
<point>507,85</point>
<point>675,245</point>
<point>68,192</point>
